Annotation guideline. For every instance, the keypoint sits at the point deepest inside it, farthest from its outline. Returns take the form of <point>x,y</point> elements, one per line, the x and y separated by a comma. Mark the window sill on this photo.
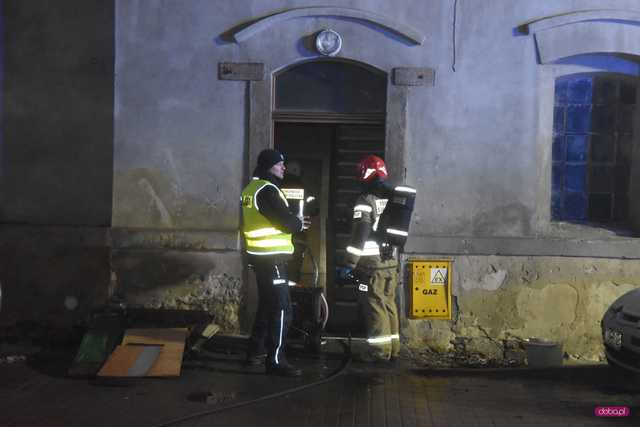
<point>590,246</point>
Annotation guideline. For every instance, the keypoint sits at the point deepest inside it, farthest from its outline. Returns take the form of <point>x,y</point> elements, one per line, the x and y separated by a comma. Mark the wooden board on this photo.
<point>169,362</point>
<point>126,360</point>
<point>163,336</point>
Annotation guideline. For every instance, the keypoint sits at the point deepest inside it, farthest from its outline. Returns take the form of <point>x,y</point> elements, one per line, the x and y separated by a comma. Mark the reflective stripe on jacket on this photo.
<point>366,214</point>
<point>383,339</point>
<point>261,237</point>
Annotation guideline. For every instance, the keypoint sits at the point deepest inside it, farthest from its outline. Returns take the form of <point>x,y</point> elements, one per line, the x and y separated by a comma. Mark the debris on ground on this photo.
<point>7,360</point>
<point>456,358</point>
<point>212,397</point>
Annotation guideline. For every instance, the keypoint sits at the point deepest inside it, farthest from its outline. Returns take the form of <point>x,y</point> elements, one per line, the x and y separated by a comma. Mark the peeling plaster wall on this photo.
<point>187,280</point>
<point>502,299</point>
<point>157,147</point>
<point>181,140</point>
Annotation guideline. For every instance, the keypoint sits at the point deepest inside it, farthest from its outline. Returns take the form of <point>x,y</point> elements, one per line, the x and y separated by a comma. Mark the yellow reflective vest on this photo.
<point>261,237</point>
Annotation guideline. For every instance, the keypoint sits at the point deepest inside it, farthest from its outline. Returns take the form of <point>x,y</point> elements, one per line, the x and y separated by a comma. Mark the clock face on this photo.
<point>328,42</point>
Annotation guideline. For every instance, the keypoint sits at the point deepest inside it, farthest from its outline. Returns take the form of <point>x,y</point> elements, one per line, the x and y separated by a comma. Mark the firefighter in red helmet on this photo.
<point>375,264</point>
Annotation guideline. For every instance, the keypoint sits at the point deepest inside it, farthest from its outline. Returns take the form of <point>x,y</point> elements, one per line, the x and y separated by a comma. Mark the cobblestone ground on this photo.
<point>217,390</point>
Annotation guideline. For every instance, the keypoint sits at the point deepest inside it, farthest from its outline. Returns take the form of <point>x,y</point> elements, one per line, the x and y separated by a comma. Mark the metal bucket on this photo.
<point>543,353</point>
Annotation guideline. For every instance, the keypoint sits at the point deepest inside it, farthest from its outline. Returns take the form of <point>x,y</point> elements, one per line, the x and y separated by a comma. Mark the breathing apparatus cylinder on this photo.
<point>393,226</point>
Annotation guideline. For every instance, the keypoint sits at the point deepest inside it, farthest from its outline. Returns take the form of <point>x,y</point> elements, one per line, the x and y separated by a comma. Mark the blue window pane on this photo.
<point>557,176</point>
<point>580,90</point>
<point>592,135</point>
<point>574,179</point>
<point>556,205</point>
<point>562,87</point>
<point>558,149</point>
<point>578,118</point>
<point>575,206</point>
<point>576,148</point>
<point>558,120</point>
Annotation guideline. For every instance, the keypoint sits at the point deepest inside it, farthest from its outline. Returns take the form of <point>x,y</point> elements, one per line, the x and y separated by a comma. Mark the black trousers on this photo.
<point>274,309</point>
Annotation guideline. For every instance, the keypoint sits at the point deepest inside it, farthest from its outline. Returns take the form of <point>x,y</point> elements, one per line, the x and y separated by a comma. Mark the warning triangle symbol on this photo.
<point>438,277</point>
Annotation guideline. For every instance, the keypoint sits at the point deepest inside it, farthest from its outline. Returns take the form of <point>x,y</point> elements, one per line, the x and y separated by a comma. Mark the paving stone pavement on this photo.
<point>37,394</point>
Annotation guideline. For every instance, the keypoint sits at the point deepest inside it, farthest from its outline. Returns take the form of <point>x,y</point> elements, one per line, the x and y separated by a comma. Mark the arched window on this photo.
<point>331,86</point>
<point>593,138</point>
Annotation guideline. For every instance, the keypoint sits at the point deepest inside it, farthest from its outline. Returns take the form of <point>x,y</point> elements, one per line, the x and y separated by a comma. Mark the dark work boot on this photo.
<point>283,370</point>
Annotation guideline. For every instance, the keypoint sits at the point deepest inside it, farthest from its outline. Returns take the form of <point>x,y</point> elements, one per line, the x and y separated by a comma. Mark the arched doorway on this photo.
<point>327,114</point>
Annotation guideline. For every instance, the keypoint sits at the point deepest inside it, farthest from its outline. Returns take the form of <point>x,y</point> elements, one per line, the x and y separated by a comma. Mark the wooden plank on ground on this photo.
<point>169,363</point>
<point>158,336</point>
<point>130,361</point>
<point>130,355</point>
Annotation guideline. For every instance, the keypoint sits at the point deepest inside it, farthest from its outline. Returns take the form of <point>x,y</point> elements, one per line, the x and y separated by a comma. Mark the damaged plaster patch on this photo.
<point>185,280</point>
<point>218,294</point>
<point>493,281</point>
<point>486,346</point>
<point>599,299</point>
<point>436,335</point>
<point>489,282</point>
<point>585,341</point>
<point>547,312</point>
<point>561,299</point>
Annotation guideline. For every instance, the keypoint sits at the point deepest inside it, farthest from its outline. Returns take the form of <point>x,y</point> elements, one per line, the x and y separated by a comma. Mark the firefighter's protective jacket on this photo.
<point>377,298</point>
<point>363,249</point>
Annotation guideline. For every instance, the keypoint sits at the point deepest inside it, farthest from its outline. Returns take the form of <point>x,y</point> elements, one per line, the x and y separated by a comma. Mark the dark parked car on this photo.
<point>621,332</point>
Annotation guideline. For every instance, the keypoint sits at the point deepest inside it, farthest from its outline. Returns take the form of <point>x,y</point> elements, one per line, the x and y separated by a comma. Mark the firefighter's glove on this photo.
<point>306,222</point>
<point>386,252</point>
<point>344,274</point>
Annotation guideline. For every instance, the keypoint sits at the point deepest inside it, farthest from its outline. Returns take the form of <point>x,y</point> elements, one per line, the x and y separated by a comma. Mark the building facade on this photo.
<point>130,128</point>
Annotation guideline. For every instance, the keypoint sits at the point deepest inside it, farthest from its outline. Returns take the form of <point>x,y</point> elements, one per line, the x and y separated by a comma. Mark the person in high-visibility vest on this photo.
<point>375,263</point>
<point>268,226</point>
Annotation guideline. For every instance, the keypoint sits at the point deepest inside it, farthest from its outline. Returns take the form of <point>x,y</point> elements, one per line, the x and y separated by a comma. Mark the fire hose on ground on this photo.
<point>346,361</point>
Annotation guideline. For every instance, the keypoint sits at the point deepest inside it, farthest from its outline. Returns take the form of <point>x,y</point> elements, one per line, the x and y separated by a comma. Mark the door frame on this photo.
<point>261,120</point>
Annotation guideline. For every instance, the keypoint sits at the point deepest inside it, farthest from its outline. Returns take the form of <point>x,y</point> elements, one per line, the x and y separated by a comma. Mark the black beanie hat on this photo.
<point>267,158</point>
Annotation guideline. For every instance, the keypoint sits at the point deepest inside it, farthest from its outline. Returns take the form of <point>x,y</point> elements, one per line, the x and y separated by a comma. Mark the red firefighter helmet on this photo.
<point>370,167</point>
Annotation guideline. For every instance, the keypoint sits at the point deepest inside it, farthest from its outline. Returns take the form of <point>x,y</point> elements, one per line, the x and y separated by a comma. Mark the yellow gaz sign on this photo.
<point>430,289</point>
